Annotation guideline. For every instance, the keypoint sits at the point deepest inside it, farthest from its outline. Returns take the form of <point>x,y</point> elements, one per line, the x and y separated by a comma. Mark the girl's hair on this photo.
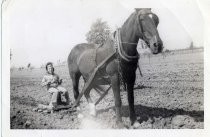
<point>49,63</point>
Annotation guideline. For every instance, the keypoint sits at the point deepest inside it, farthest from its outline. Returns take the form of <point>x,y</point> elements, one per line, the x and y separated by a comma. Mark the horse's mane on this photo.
<point>135,14</point>
<point>130,19</point>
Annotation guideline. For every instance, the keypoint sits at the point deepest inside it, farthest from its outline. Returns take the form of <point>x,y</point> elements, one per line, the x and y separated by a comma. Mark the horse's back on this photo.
<point>85,57</point>
<point>75,54</point>
<point>91,58</point>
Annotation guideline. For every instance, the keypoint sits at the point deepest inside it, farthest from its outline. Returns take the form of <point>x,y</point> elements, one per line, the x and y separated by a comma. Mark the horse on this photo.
<point>83,58</point>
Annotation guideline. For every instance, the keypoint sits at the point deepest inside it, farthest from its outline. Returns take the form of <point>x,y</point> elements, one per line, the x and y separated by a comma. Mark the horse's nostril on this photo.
<point>160,49</point>
<point>155,45</point>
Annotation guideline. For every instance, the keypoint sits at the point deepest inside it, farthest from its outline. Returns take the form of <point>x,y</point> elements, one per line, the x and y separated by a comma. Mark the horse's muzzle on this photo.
<point>158,47</point>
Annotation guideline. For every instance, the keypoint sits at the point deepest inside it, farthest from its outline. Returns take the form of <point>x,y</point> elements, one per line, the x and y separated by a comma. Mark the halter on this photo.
<point>118,41</point>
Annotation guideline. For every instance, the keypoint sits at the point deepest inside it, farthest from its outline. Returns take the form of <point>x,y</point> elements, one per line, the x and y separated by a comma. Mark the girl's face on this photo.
<point>50,69</point>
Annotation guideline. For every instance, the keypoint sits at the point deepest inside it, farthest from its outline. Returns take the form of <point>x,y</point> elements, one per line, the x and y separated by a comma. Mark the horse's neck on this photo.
<point>129,35</point>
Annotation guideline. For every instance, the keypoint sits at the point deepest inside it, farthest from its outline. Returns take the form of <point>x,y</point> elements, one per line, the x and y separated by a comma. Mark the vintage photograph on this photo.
<point>77,64</point>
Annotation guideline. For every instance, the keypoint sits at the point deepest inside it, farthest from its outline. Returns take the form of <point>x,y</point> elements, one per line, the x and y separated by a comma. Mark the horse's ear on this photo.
<point>114,34</point>
<point>139,9</point>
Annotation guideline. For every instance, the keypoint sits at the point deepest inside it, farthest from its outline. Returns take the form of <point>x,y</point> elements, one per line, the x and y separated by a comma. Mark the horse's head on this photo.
<point>147,24</point>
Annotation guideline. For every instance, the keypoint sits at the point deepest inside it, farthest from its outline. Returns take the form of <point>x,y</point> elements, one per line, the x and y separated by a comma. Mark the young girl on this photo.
<point>53,83</point>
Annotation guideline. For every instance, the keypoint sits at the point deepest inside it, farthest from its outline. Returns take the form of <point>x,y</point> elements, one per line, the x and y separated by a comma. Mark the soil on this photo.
<point>169,95</point>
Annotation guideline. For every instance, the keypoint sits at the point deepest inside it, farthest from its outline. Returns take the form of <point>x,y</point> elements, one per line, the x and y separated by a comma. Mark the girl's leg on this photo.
<point>64,93</point>
<point>54,98</point>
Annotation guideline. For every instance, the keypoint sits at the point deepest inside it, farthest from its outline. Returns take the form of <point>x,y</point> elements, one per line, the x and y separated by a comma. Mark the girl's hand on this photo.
<point>48,82</point>
<point>54,85</point>
<point>44,83</point>
<point>60,81</point>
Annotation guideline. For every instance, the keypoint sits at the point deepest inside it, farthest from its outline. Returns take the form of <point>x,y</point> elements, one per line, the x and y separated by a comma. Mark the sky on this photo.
<point>38,31</point>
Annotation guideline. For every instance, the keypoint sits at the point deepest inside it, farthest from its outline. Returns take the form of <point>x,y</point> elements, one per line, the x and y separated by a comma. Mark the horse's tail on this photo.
<point>72,60</point>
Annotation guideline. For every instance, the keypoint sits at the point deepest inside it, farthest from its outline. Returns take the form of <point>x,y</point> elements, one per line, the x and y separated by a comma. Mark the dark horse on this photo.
<point>142,24</point>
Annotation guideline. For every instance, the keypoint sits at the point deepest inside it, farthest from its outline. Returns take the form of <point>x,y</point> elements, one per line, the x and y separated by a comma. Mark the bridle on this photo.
<point>120,53</point>
<point>119,42</point>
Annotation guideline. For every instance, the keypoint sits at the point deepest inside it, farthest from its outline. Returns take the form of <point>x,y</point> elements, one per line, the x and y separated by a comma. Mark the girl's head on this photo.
<point>50,68</point>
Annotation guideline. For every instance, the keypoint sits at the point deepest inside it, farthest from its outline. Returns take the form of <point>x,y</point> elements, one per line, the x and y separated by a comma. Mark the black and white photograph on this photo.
<point>105,65</point>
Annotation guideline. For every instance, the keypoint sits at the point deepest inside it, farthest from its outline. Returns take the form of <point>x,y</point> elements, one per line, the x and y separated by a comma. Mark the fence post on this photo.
<point>149,58</point>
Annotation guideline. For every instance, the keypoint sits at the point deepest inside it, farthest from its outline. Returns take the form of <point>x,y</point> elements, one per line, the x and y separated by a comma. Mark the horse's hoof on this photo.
<point>92,109</point>
<point>78,108</point>
<point>136,125</point>
<point>120,125</point>
<point>80,116</point>
<point>93,113</point>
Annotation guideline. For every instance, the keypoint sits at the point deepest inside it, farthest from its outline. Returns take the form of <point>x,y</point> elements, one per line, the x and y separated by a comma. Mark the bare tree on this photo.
<point>191,46</point>
<point>10,54</point>
<point>58,62</point>
<point>29,65</point>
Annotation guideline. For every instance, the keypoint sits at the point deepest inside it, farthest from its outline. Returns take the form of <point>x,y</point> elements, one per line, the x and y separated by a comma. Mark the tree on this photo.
<point>42,66</point>
<point>58,62</point>
<point>167,51</point>
<point>99,32</point>
<point>29,65</point>
<point>191,46</point>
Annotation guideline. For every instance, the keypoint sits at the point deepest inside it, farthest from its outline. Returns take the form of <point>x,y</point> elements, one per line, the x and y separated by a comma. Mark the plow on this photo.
<point>114,63</point>
<point>102,93</point>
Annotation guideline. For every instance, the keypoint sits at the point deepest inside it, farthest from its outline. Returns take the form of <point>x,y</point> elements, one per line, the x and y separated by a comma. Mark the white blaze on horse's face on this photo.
<point>150,15</point>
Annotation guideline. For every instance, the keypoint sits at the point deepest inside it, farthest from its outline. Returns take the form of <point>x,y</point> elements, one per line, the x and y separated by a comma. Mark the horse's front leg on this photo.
<point>116,90</point>
<point>86,91</point>
<point>92,108</point>
<point>130,95</point>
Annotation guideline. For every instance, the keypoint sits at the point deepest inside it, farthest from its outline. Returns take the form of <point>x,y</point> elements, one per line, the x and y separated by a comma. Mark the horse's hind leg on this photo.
<point>86,90</point>
<point>75,76</point>
<point>116,90</point>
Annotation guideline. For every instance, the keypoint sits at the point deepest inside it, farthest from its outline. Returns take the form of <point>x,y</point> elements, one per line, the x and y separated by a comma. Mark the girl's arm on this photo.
<point>44,81</point>
<point>59,80</point>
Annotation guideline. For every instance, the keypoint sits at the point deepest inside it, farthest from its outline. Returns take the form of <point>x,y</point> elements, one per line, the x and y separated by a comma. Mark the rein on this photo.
<point>119,50</point>
<point>118,41</point>
<point>122,53</point>
<point>129,43</point>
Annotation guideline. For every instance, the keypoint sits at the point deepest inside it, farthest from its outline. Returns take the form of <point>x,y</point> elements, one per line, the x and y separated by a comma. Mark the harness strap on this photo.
<point>121,52</point>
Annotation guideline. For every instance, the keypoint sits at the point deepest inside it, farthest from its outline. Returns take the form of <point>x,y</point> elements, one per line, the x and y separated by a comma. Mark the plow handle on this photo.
<point>90,80</point>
